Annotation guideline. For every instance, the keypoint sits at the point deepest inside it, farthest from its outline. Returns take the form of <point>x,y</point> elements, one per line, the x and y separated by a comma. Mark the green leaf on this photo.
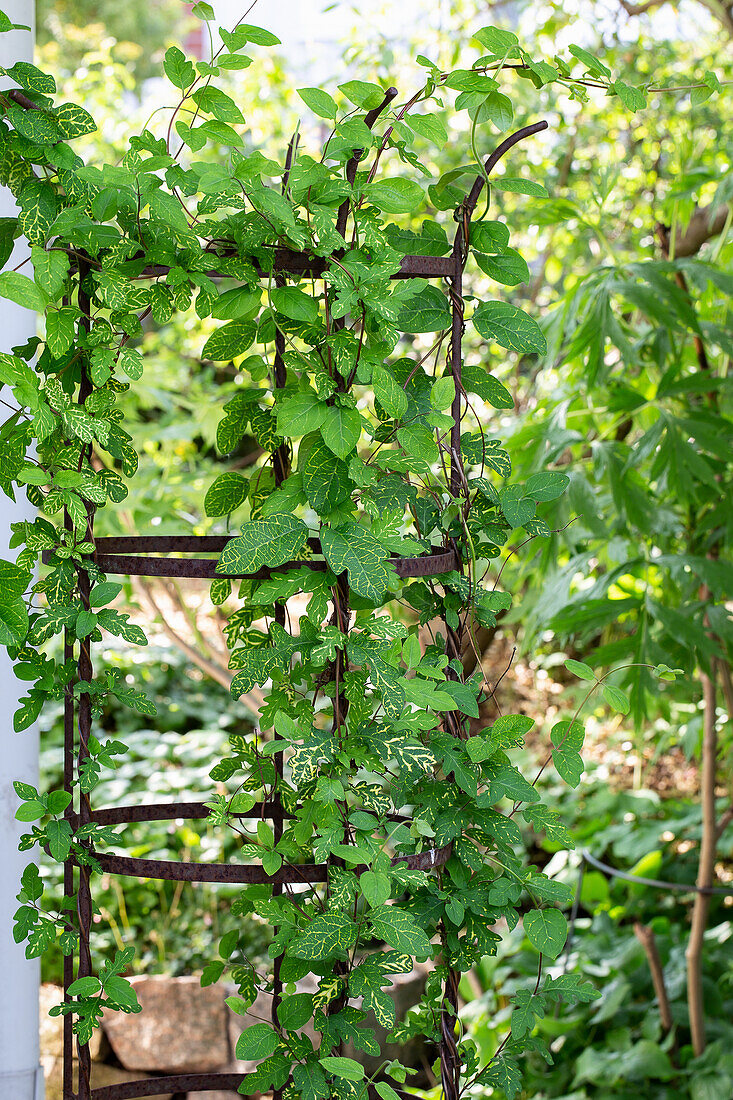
<point>39,208</point>
<point>59,839</point>
<point>326,935</point>
<point>442,392</point>
<point>430,127</point>
<point>73,121</point>
<point>592,64</point>
<point>362,94</point>
<point>356,551</point>
<point>634,99</point>
<point>325,482</point>
<point>178,68</point>
<point>212,101</point>
<point>238,1005</point>
<point>580,669</point>
<point>517,508</point>
<point>376,888</point>
<point>230,341</point>
<point>546,930</point>
<point>510,327</point>
<point>227,493</point>
<point>476,380</point>
<point>341,429</point>
<point>489,237</point>
<point>320,102</point>
<point>50,269</point>
<point>567,737</point>
<point>39,126</point>
<point>507,267</point>
<point>104,593</point>
<point>296,305</point>
<point>616,698</point>
<point>495,40</point>
<point>389,392</point>
<point>13,620</point>
<point>60,330</point>
<point>31,79</point>
<point>263,542</point>
<point>295,1011</point>
<point>346,1068</point>
<point>258,35</point>
<point>256,1042</point>
<point>22,290</point>
<point>32,810</point>
<point>427,311</point>
<point>386,1091</point>
<point>397,928</point>
<point>395,196</point>
<point>87,986</point>
<point>546,485</point>
<point>498,108</point>
<point>520,186</point>
<point>301,414</point>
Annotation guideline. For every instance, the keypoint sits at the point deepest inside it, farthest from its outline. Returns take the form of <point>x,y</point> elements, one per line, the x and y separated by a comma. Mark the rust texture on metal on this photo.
<point>194,1082</point>
<point>137,556</point>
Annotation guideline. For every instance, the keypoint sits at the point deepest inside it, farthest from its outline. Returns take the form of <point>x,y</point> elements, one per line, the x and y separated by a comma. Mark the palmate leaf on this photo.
<point>263,542</point>
<point>356,551</point>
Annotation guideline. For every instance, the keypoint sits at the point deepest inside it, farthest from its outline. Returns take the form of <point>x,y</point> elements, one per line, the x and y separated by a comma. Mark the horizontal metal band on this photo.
<point>129,564</point>
<point>291,873</point>
<point>301,263</point>
<point>188,811</point>
<point>193,1082</point>
<point>164,1086</point>
<point>169,811</point>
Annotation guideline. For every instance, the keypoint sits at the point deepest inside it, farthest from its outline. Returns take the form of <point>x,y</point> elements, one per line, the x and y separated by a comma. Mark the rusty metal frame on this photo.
<point>136,556</point>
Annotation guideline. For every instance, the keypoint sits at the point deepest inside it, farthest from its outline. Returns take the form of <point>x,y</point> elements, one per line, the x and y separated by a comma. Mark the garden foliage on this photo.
<point>349,384</point>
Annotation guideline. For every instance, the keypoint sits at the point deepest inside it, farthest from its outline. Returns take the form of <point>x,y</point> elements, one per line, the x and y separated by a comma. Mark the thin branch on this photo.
<point>647,939</point>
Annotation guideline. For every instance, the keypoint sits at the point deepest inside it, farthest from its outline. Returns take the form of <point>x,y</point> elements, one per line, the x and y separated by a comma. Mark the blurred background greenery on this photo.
<point>637,568</point>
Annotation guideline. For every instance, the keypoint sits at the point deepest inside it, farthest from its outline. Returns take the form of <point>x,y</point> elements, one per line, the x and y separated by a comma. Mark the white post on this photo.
<point>21,1077</point>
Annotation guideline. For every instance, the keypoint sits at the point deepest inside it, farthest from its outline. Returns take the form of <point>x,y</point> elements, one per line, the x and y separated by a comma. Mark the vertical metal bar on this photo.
<point>68,1082</point>
<point>84,897</point>
<point>456,288</point>
<point>450,1066</point>
<point>86,673</point>
<point>281,469</point>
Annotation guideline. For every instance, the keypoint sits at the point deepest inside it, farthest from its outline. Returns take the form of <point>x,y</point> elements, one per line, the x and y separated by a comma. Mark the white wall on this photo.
<point>20,1076</point>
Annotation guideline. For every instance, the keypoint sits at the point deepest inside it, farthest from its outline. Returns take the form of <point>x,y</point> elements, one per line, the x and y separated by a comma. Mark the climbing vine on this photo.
<point>375,453</point>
